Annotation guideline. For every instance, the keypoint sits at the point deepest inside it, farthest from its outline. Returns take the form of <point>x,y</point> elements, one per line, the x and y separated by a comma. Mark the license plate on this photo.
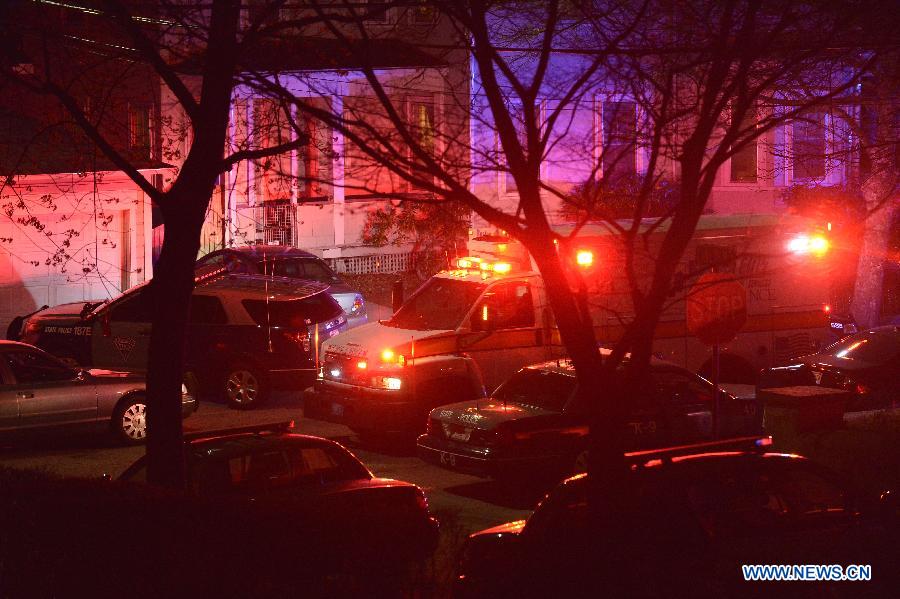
<point>448,459</point>
<point>337,409</point>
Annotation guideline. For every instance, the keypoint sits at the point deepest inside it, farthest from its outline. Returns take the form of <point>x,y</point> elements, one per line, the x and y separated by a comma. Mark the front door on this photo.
<point>47,391</point>
<point>121,333</point>
<point>504,331</point>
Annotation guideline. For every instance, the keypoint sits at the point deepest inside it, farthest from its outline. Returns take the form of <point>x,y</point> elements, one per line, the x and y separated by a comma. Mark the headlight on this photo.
<point>184,390</point>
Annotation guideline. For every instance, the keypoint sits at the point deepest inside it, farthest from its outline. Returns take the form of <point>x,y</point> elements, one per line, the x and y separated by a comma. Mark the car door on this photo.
<point>121,333</point>
<point>47,391</point>
<point>505,333</point>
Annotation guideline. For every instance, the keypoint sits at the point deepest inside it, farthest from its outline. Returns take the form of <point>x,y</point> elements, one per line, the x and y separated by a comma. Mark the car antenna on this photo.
<point>268,316</point>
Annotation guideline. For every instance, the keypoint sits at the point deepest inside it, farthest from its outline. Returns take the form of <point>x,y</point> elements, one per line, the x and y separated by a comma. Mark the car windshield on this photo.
<point>438,304</point>
<point>293,313</point>
<point>875,347</point>
<point>548,390</point>
<point>300,268</point>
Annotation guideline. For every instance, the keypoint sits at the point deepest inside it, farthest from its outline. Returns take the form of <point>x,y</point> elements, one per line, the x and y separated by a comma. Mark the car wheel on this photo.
<point>130,420</point>
<point>245,386</point>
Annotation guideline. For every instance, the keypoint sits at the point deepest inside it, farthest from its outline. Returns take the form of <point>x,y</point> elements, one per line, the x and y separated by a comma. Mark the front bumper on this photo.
<point>364,409</point>
<point>483,461</point>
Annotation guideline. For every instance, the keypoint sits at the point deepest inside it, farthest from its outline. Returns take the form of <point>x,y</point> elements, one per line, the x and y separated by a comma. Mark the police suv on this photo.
<point>246,333</point>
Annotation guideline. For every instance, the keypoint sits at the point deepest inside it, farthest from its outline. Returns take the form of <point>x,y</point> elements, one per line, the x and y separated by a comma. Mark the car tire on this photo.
<point>129,420</point>
<point>245,386</point>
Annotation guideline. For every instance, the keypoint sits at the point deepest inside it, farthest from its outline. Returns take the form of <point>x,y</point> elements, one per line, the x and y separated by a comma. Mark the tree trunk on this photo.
<point>170,289</point>
<point>879,191</point>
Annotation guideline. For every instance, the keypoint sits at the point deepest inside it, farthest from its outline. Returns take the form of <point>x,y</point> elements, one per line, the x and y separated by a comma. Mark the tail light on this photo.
<point>497,437</point>
<point>862,389</point>
<point>358,306</point>
<point>421,501</point>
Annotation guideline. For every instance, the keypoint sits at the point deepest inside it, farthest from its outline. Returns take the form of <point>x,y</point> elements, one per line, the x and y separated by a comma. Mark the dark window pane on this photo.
<point>206,309</point>
<point>809,147</point>
<point>438,304</point>
<point>34,367</point>
<point>506,306</point>
<point>744,161</point>
<point>619,141</point>
<point>293,313</point>
<point>135,307</point>
<point>549,390</point>
<point>875,347</point>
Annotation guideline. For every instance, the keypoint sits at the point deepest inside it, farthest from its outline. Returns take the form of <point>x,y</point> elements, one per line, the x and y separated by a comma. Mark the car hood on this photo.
<point>371,339</point>
<point>486,414</point>
<point>832,362</point>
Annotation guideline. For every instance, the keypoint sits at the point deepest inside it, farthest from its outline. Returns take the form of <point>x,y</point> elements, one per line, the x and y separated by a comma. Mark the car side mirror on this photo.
<point>106,477</point>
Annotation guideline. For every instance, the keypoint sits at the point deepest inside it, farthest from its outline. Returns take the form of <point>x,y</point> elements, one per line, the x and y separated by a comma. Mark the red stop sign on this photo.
<point>716,308</point>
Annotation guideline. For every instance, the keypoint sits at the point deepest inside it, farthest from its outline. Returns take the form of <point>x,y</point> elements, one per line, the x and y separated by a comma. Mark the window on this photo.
<point>619,142</point>
<point>206,309</point>
<point>518,118</point>
<point>549,390</point>
<point>277,223</point>
<point>809,146</point>
<point>36,367</point>
<point>302,268</point>
<point>293,313</point>
<point>506,306</point>
<point>135,308</point>
<point>744,161</point>
<point>438,304</point>
<point>271,128</point>
<point>139,129</point>
<point>421,119</point>
<point>314,168</point>
<point>681,387</point>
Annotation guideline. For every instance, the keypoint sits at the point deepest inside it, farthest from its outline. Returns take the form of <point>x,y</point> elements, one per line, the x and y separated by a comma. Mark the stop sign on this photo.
<point>716,308</point>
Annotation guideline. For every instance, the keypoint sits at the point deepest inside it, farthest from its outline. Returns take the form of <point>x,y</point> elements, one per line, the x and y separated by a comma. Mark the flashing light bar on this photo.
<point>477,264</point>
<point>817,245</point>
<point>584,258</point>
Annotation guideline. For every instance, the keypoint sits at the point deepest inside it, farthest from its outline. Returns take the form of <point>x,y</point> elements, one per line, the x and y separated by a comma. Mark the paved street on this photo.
<point>472,502</point>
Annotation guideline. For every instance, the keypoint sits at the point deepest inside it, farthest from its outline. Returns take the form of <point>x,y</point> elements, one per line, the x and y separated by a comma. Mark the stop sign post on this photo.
<point>716,311</point>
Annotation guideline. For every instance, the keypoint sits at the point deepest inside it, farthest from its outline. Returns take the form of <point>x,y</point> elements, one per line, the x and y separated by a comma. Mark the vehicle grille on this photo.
<point>343,369</point>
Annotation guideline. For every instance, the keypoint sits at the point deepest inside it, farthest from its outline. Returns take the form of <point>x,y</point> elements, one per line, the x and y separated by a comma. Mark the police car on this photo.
<point>246,333</point>
<point>532,424</point>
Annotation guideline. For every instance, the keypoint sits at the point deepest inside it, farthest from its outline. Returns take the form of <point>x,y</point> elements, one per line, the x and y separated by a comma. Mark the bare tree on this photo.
<point>709,78</point>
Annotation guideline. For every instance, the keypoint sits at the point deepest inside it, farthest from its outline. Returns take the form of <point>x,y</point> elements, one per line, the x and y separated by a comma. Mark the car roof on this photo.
<point>271,252</point>
<point>258,286</point>
<point>565,366</point>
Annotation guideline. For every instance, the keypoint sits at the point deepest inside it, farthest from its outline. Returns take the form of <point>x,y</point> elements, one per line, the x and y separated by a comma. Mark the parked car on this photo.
<point>532,423</point>
<point>246,334</point>
<point>866,363</point>
<point>691,516</point>
<point>267,467</point>
<point>291,262</point>
<point>39,391</point>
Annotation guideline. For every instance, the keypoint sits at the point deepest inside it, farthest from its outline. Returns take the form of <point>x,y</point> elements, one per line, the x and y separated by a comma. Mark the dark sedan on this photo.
<point>291,262</point>
<point>867,364</point>
<point>268,468</point>
<point>690,518</point>
<point>532,423</point>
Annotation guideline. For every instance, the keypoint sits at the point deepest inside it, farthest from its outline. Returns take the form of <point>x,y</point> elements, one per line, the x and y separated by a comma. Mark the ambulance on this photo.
<point>467,329</point>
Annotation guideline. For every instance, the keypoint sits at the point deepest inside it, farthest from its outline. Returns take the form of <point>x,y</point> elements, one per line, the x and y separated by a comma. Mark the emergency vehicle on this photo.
<point>469,328</point>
